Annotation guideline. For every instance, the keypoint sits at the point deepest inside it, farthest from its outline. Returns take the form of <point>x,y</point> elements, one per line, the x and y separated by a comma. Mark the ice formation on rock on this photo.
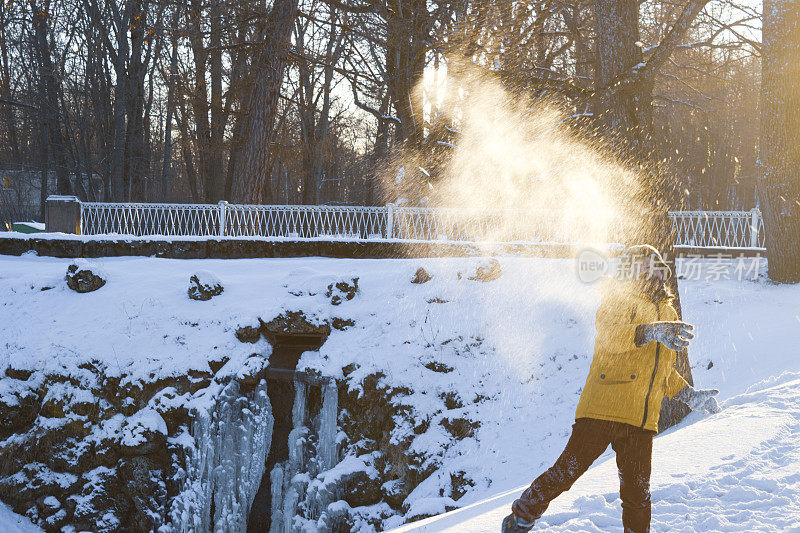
<point>223,468</point>
<point>286,491</point>
<point>310,453</point>
<point>326,446</point>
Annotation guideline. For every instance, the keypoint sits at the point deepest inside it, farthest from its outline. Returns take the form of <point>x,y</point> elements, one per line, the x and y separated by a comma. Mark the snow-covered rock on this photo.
<point>488,271</point>
<point>204,285</point>
<point>83,276</point>
<point>342,290</point>
<point>421,276</point>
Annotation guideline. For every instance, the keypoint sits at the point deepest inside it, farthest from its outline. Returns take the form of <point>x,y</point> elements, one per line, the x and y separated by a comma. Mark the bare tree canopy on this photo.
<point>311,102</point>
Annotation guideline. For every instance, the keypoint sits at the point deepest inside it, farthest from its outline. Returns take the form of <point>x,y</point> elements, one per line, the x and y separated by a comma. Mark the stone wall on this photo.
<point>237,248</point>
<point>220,248</point>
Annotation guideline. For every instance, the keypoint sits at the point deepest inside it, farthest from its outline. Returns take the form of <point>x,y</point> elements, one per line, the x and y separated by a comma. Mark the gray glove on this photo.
<point>673,335</point>
<point>701,400</point>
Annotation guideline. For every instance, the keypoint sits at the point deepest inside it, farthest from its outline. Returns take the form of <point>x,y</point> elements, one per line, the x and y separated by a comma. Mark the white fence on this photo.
<point>719,229</point>
<point>730,230</point>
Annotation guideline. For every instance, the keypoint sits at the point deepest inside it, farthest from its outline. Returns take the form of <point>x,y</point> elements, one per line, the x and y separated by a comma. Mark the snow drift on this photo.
<point>447,390</point>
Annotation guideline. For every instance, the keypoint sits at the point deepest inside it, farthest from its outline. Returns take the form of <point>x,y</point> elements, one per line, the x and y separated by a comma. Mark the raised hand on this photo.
<point>674,335</point>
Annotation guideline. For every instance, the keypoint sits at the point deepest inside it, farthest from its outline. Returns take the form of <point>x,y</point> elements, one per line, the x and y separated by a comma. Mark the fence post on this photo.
<point>755,215</point>
<point>389,221</point>
<point>223,206</point>
<point>62,214</point>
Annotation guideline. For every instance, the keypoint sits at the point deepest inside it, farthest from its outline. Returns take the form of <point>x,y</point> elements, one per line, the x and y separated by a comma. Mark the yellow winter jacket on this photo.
<point>625,383</point>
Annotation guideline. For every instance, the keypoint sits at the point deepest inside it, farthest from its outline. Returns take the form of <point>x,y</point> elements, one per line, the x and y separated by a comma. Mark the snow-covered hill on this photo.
<point>480,379</point>
<point>738,470</point>
<point>429,373</point>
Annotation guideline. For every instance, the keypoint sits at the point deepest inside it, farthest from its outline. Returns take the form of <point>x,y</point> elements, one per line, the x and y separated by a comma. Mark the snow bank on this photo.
<point>459,359</point>
<point>483,376</point>
<point>10,522</point>
<point>734,471</point>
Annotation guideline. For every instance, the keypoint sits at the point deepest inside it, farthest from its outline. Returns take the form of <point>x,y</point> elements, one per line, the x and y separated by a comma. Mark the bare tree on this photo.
<point>244,101</point>
<point>50,109</point>
<point>779,184</point>
<point>250,182</point>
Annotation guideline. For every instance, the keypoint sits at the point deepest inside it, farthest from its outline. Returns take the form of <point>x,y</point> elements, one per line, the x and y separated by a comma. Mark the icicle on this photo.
<point>284,507</point>
<point>290,479</point>
<point>299,408</point>
<point>276,516</point>
<point>290,508</point>
<point>245,434</point>
<point>191,508</point>
<point>326,446</point>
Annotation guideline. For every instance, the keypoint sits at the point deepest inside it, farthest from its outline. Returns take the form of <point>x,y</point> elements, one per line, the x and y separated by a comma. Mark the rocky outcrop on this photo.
<point>380,429</point>
<point>421,276</point>
<point>342,290</point>
<point>291,323</point>
<point>95,450</point>
<point>488,271</point>
<point>83,276</point>
<point>204,285</point>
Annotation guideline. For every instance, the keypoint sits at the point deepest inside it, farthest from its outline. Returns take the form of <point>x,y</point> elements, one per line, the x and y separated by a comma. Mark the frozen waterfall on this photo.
<point>326,446</point>
<point>224,466</point>
<point>290,479</point>
<point>226,455</point>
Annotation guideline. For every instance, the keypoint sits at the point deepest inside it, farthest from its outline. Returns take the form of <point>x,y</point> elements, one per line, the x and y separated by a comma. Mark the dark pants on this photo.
<point>589,439</point>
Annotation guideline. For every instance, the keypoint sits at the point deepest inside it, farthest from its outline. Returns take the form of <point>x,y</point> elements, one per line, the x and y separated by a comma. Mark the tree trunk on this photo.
<point>49,98</point>
<point>626,114</point>
<point>380,151</point>
<point>779,183</point>
<point>135,101</point>
<point>45,170</point>
<point>186,154</point>
<point>5,90</point>
<point>251,180</point>
<point>118,185</point>
<point>166,165</point>
<point>199,100</point>
<point>405,64</point>
<point>624,108</point>
<point>307,119</point>
<point>214,179</point>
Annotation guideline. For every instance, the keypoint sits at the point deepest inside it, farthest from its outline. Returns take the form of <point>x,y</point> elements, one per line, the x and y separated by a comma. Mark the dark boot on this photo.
<point>512,524</point>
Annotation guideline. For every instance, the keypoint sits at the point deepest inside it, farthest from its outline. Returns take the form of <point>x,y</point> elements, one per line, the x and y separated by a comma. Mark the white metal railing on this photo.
<point>303,221</point>
<point>100,218</point>
<point>718,229</point>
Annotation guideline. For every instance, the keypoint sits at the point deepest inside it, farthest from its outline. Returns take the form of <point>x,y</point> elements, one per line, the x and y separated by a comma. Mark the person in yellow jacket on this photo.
<point>638,335</point>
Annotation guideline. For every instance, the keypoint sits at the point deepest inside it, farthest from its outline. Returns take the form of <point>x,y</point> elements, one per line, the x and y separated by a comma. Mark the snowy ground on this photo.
<point>455,344</point>
<point>738,470</point>
<point>10,522</point>
<point>520,346</point>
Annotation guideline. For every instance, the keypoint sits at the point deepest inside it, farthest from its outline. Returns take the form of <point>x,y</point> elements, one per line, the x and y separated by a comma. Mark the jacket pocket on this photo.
<point>614,394</point>
<point>617,376</point>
